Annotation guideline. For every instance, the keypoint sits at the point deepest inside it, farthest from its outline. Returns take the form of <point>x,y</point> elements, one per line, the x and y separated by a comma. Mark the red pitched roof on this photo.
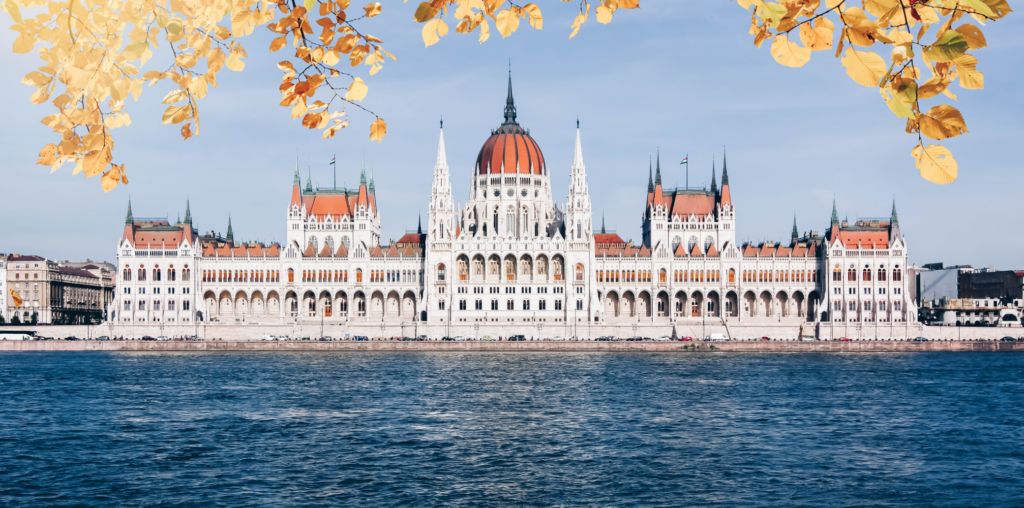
<point>342,251</point>
<point>680,251</point>
<point>712,251</point>
<point>864,239</point>
<point>684,205</point>
<point>695,252</point>
<point>325,252</point>
<point>309,251</point>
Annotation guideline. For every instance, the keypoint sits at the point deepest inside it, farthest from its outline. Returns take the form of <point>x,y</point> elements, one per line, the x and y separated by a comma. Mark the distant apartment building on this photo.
<point>936,282</point>
<point>1003,285</point>
<point>3,287</point>
<point>58,292</point>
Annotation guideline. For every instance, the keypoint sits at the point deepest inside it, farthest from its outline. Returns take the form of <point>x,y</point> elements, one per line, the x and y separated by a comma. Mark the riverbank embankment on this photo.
<point>587,346</point>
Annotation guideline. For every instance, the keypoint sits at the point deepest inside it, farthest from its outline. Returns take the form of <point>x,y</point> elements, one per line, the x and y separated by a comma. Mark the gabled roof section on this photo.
<point>342,252</point>
<point>695,252</point>
<point>712,251</point>
<point>377,252</point>
<point>680,251</point>
<point>309,253</point>
<point>644,252</point>
<point>325,252</point>
<point>393,251</point>
<point>749,250</point>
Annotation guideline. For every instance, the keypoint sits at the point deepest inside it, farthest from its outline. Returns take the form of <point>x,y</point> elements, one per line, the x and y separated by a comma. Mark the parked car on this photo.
<point>662,339</point>
<point>634,339</point>
<point>102,337</point>
<point>459,338</point>
<point>766,338</point>
<point>487,338</point>
<point>517,338</point>
<point>716,337</point>
<point>267,337</point>
<point>360,337</point>
<point>556,337</point>
<point>844,339</point>
<point>686,339</point>
<point>147,337</point>
<point>447,338</point>
<point>1007,339</point>
<point>920,339</point>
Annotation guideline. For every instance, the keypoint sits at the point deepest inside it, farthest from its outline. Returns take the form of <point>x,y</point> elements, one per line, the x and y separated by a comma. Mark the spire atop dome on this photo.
<point>188,212</point>
<point>510,103</point>
<point>309,180</point>
<point>298,179</point>
<point>602,224</point>
<point>362,173</point>
<point>796,232</point>
<point>128,219</point>
<point>894,219</point>
<point>371,179</point>
<point>231,235</point>
<point>657,171</point>
<point>835,214</point>
<point>725,170</point>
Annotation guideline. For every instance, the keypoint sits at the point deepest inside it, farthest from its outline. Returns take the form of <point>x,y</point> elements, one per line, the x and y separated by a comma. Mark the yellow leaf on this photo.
<point>23,43</point>
<point>972,34</point>
<point>308,4</point>
<point>48,155</point>
<point>629,4</point>
<point>898,107</point>
<point>942,122</point>
<point>299,109</point>
<point>536,20</point>
<point>818,38</point>
<point>424,12</point>
<point>879,7</point>
<point>175,96</point>
<point>603,13</point>
<point>372,9</point>
<point>198,87</point>
<point>507,22</point>
<point>96,162</point>
<point>970,77</point>
<point>865,67</point>
<point>931,88</point>
<point>234,63</point>
<point>936,163</point>
<point>278,43</point>
<point>433,30</point>
<point>357,90</point>
<point>378,129</point>
<point>332,58</point>
<point>789,53</point>
<point>13,9</point>
<point>112,178</point>
<point>176,114</point>
<point>186,131</point>
<point>134,51</point>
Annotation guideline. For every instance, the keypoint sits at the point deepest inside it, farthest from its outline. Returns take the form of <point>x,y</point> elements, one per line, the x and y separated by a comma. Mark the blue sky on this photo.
<point>682,76</point>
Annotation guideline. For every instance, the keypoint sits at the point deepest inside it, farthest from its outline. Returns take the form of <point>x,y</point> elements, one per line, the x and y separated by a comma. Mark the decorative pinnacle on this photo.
<point>657,169</point>
<point>796,233</point>
<point>725,170</point>
<point>835,214</point>
<point>714,185</point>
<point>650,179</point>
<point>231,235</point>
<point>188,212</point>
<point>128,219</point>
<point>298,179</point>
<point>510,103</point>
<point>894,220</point>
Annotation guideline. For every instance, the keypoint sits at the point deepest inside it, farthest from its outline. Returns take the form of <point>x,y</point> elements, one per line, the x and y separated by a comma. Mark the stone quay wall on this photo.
<point>745,330</point>
<point>865,346</point>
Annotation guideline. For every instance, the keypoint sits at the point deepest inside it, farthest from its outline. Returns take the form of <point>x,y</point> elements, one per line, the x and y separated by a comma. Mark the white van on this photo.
<point>267,337</point>
<point>716,337</point>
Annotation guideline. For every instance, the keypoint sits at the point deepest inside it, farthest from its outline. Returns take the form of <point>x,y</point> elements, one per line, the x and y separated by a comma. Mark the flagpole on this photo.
<point>334,163</point>
<point>687,171</point>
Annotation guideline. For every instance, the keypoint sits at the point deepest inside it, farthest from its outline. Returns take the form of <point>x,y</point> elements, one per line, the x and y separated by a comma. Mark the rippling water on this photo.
<point>524,429</point>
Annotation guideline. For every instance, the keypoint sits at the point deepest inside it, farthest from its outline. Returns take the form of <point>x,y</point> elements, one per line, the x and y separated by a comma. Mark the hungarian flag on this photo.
<point>685,161</point>
<point>16,297</point>
<point>332,161</point>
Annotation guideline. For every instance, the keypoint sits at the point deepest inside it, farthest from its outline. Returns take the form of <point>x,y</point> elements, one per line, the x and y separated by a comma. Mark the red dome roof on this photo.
<point>510,147</point>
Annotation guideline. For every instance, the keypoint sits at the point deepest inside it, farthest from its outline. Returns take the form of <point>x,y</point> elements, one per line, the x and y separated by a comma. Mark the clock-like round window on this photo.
<point>497,192</point>
<point>524,193</point>
<point>511,193</point>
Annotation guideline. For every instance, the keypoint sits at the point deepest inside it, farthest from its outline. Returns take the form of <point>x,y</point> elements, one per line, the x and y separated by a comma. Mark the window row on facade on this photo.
<point>156,273</point>
<point>156,305</point>
<point>866,274</point>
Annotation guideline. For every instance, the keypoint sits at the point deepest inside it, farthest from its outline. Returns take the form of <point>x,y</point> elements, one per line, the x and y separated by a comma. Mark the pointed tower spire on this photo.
<point>725,170</point>
<point>894,225</point>
<point>231,235</point>
<point>657,171</point>
<point>602,224</point>
<point>371,179</point>
<point>188,213</point>
<point>298,179</point>
<point>714,185</point>
<point>309,180</point>
<point>442,156</point>
<point>510,103</point>
<point>128,219</point>
<point>577,154</point>
<point>362,174</point>
<point>419,225</point>
<point>796,232</point>
<point>650,177</point>
<point>894,219</point>
<point>835,214</point>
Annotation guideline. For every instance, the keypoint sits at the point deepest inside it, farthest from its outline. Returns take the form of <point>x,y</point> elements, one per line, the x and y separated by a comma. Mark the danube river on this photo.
<point>511,429</point>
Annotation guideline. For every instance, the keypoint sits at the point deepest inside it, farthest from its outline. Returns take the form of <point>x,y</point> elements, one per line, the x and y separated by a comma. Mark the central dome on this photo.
<point>510,149</point>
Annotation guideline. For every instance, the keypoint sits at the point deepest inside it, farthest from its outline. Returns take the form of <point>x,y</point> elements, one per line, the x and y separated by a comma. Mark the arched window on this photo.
<point>851,275</point>
<point>732,276</point>
<point>291,275</point>
<point>142,272</point>
<point>662,276</point>
<point>359,278</point>
<point>186,274</point>
<point>579,272</point>
<point>837,274</point>
<point>881,273</point>
<point>510,222</point>
<point>127,274</point>
<point>156,273</point>
<point>172,274</point>
<point>867,273</point>
<point>897,275</point>
<point>440,272</point>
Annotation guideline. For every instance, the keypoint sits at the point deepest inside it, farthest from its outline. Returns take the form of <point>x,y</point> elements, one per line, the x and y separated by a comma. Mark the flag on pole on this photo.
<point>332,161</point>
<point>685,161</point>
<point>16,297</point>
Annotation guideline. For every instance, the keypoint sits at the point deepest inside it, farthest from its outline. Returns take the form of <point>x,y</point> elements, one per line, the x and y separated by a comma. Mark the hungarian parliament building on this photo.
<point>509,257</point>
